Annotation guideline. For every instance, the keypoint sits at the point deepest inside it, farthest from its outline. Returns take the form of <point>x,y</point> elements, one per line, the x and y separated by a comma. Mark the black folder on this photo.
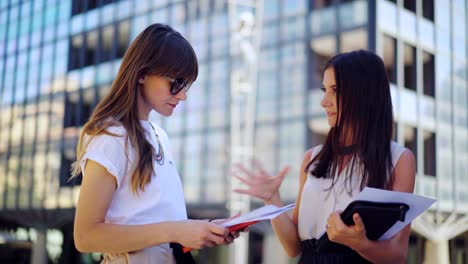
<point>377,217</point>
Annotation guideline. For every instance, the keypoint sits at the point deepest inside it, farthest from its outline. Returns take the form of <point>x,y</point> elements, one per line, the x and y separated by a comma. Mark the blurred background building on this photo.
<point>59,57</point>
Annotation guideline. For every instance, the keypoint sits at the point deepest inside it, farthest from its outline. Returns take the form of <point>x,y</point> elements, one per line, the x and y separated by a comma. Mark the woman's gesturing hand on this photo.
<point>260,184</point>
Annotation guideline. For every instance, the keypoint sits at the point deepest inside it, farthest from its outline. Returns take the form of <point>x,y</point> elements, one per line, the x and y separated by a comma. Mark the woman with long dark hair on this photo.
<point>358,152</point>
<point>131,204</point>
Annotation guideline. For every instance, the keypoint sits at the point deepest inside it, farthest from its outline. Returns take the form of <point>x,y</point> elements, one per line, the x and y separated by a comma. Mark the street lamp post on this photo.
<point>245,19</point>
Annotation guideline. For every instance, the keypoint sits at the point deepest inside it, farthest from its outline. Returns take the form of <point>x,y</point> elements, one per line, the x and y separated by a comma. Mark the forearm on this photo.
<point>286,231</point>
<point>111,238</point>
<point>383,252</point>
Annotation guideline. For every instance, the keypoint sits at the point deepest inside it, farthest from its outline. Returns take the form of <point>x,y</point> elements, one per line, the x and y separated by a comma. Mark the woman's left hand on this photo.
<point>231,236</point>
<point>352,236</point>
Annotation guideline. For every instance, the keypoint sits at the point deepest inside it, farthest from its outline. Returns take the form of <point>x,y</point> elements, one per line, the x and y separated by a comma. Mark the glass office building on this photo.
<point>59,57</point>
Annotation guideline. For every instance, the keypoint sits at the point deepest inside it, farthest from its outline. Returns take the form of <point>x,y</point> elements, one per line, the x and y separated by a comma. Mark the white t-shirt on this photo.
<point>162,198</point>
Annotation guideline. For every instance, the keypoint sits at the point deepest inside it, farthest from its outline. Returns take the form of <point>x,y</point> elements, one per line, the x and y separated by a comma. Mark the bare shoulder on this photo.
<point>307,158</point>
<point>405,172</point>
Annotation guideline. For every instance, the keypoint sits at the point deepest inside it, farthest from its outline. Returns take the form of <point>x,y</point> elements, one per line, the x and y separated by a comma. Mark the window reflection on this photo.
<point>410,141</point>
<point>390,57</point>
<point>322,49</point>
<point>97,46</point>
<point>81,6</point>
<point>428,74</point>
<point>353,40</point>
<point>428,9</point>
<point>429,153</point>
<point>321,3</point>
<point>409,67</point>
<point>410,5</point>
<point>215,171</point>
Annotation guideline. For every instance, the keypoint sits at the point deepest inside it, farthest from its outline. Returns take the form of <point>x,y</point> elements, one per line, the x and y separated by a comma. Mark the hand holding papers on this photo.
<point>266,212</point>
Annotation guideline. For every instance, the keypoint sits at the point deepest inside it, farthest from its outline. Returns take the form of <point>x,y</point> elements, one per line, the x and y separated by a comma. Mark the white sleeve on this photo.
<point>109,152</point>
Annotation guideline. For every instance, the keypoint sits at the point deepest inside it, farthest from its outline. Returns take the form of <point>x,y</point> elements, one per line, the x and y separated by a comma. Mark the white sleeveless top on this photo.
<point>162,198</point>
<point>318,201</point>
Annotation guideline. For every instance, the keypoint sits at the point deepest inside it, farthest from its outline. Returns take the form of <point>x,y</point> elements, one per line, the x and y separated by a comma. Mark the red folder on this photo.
<point>231,229</point>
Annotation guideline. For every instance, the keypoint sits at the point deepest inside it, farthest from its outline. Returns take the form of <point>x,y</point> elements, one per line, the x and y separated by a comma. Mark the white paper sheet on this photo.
<point>263,213</point>
<point>417,205</point>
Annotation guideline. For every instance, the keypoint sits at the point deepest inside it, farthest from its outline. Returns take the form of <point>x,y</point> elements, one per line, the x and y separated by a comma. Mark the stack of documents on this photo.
<point>266,212</point>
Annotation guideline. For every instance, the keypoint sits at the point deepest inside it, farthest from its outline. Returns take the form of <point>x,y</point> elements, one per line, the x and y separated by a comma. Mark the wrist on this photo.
<point>362,246</point>
<point>175,232</point>
<point>275,199</point>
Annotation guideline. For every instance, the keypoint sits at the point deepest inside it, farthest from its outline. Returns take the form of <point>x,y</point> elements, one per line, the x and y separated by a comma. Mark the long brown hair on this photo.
<point>158,50</point>
<point>365,119</point>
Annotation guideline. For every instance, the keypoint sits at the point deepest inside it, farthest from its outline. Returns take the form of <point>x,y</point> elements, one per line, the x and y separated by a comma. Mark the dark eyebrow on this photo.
<point>332,86</point>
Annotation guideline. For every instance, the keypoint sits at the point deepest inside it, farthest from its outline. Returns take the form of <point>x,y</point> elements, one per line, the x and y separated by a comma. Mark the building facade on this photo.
<point>59,57</point>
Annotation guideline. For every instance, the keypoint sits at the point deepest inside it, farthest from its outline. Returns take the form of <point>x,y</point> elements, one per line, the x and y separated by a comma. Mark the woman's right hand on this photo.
<point>197,234</point>
<point>260,184</point>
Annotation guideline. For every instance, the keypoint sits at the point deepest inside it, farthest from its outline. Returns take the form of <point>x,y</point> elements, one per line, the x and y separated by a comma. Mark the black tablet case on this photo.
<point>377,217</point>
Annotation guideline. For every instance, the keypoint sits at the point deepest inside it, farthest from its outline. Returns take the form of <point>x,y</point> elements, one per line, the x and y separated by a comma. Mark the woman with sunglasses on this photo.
<point>358,152</point>
<point>131,205</point>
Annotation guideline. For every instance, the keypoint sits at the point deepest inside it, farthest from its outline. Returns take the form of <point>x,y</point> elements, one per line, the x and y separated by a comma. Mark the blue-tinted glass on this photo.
<point>159,16</point>
<point>352,14</point>
<point>323,20</point>
<point>123,9</point>
<point>270,9</point>
<point>292,7</point>
<point>442,14</point>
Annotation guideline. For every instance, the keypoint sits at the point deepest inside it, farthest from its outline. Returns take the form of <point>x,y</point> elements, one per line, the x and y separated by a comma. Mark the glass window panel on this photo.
<point>323,49</point>
<point>410,140</point>
<point>429,153</point>
<point>178,14</point>
<point>266,143</point>
<point>322,3</point>
<point>409,67</point>
<point>292,7</point>
<point>389,21</point>
<point>389,57</point>
<point>139,23</point>
<point>192,167</point>
<point>428,9</point>
<point>428,73</point>
<point>123,38</point>
<point>160,16</point>
<point>292,29</point>
<point>215,173</point>
<point>270,34</point>
<point>291,106</point>
<point>410,5</point>
<point>220,46</point>
<point>407,24</point>
<point>352,14</point>
<point>323,20</point>
<point>270,9</point>
<point>269,59</point>
<point>123,9</point>
<point>442,14</point>
<point>443,77</point>
<point>353,40</point>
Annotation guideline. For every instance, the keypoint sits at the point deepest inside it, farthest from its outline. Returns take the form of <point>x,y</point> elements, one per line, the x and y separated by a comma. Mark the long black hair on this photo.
<point>364,119</point>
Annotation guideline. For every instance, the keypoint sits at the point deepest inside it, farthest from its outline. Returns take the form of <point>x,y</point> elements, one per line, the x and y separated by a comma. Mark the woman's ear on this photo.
<point>141,80</point>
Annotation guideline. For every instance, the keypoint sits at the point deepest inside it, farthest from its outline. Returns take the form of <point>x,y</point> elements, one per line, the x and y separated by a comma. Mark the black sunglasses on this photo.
<point>178,84</point>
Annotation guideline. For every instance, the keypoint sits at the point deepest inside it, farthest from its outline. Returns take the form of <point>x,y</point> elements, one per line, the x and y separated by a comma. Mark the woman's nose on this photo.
<point>325,102</point>
<point>182,95</point>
